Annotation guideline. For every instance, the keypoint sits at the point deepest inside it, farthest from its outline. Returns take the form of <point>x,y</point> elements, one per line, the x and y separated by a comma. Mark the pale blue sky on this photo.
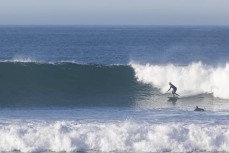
<point>115,12</point>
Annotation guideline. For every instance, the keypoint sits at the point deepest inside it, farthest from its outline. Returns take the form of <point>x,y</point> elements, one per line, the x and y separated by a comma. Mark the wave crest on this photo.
<point>192,79</point>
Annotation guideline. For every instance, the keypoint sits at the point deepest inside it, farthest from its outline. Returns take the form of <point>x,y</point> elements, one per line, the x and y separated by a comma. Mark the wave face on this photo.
<point>127,136</point>
<point>193,79</point>
<point>70,84</point>
<point>28,84</point>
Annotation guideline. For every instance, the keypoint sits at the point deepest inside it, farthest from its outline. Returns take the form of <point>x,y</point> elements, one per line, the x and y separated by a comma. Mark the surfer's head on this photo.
<point>170,83</point>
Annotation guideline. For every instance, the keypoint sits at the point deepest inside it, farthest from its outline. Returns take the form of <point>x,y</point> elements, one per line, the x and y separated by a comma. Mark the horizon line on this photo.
<point>216,25</point>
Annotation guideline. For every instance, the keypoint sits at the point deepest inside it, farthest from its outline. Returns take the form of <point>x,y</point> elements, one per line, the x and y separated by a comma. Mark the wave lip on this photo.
<point>195,78</point>
<point>126,136</point>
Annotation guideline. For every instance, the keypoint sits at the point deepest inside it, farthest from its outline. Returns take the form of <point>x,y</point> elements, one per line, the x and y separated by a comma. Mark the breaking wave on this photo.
<point>193,79</point>
<point>71,84</point>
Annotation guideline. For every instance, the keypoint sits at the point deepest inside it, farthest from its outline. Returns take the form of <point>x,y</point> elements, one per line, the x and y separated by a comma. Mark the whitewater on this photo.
<point>193,79</point>
<point>113,130</point>
<point>127,136</point>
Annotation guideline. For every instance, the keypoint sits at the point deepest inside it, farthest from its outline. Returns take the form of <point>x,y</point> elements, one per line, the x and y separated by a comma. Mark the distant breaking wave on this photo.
<point>192,79</point>
<point>126,136</point>
<point>31,60</point>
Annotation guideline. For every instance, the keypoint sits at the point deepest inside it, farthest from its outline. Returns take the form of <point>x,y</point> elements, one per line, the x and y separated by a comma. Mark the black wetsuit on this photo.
<point>174,89</point>
<point>199,109</point>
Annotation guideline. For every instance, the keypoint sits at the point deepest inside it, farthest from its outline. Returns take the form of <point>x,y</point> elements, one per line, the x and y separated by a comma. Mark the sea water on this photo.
<point>104,88</point>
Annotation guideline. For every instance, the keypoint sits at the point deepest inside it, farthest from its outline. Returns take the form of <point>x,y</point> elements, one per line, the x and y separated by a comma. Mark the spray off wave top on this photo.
<point>193,79</point>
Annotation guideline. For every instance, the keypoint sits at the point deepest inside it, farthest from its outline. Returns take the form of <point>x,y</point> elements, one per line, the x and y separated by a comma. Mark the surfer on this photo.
<point>198,109</point>
<point>174,89</point>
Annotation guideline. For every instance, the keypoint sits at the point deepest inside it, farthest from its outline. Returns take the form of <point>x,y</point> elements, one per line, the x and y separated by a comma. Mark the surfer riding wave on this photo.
<point>174,89</point>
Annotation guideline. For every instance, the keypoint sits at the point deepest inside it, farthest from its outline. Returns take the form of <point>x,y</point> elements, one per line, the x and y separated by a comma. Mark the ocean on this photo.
<point>104,88</point>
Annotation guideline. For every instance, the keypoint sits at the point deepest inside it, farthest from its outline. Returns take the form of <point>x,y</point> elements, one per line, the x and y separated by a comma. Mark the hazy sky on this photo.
<point>113,12</point>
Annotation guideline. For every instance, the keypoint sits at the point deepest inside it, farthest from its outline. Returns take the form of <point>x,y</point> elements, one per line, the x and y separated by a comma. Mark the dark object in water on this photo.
<point>198,109</point>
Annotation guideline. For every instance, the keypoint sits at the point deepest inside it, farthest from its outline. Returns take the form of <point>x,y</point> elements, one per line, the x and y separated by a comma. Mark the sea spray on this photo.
<point>193,79</point>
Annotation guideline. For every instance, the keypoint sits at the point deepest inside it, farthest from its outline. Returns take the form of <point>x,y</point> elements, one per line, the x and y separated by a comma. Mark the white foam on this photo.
<point>24,60</point>
<point>21,60</point>
<point>127,136</point>
<point>192,79</point>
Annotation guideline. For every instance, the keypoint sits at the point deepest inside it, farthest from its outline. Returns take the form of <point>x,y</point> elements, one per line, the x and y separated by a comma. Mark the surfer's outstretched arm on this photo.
<point>169,89</point>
